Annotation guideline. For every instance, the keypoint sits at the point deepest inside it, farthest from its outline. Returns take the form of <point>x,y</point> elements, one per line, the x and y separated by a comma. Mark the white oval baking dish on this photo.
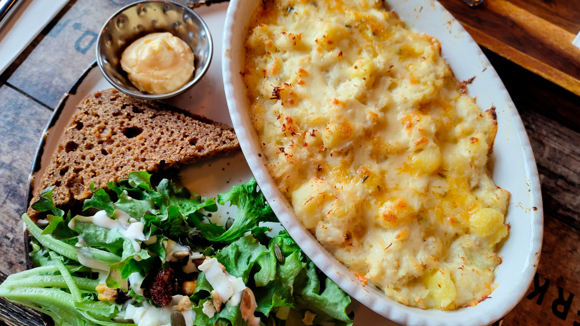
<point>512,163</point>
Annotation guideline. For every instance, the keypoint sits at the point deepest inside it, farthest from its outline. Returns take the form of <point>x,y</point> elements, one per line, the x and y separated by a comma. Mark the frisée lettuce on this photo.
<point>147,254</point>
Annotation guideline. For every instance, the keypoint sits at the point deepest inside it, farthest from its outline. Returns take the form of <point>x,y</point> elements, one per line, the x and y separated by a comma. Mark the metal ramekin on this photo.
<point>141,18</point>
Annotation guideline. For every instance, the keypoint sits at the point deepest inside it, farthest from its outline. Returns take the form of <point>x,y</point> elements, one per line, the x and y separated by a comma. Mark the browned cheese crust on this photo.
<point>114,134</point>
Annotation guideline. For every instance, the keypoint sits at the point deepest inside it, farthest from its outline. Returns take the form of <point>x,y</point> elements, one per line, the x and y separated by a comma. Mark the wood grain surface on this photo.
<point>537,94</point>
<point>64,52</point>
<point>536,34</point>
<point>563,13</point>
<point>550,115</point>
<point>22,122</point>
<point>39,77</point>
<point>557,153</point>
<point>551,300</point>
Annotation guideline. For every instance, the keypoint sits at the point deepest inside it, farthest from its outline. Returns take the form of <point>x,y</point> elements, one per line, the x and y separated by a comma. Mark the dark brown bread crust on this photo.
<point>114,134</point>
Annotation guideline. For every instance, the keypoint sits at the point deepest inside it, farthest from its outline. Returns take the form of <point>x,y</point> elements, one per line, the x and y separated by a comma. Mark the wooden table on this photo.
<point>34,83</point>
<point>535,34</point>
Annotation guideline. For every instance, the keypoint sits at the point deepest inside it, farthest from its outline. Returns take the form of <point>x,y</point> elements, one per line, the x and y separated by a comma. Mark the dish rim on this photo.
<point>380,304</point>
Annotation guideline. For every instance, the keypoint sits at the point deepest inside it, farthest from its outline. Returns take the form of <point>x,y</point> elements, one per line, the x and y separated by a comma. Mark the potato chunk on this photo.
<point>488,222</point>
<point>307,201</point>
<point>330,34</point>
<point>442,288</point>
<point>337,133</point>
<point>428,160</point>
<point>476,148</point>
<point>394,212</point>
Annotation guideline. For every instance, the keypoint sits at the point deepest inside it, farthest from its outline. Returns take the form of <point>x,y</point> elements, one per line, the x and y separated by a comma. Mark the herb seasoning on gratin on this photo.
<point>380,151</point>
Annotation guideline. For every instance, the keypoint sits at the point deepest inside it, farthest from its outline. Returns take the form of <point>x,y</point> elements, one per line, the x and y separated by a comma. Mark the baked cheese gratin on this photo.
<point>378,147</point>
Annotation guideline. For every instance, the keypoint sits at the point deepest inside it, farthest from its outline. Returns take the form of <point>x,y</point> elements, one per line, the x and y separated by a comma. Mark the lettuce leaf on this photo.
<point>240,256</point>
<point>100,201</point>
<point>329,305</point>
<point>116,243</point>
<point>272,296</point>
<point>181,199</point>
<point>140,179</point>
<point>45,203</point>
<point>61,230</point>
<point>136,208</point>
<point>39,256</point>
<point>228,313</point>
<point>54,221</point>
<point>295,283</point>
<point>252,209</point>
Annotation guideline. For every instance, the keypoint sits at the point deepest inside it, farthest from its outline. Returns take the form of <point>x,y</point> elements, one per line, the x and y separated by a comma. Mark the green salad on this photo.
<point>144,254</point>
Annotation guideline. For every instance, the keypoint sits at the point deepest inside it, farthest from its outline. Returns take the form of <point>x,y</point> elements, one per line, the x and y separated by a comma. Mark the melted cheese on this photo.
<point>380,151</point>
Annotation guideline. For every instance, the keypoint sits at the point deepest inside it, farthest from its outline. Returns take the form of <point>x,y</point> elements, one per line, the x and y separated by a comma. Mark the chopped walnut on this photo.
<point>217,300</point>
<point>248,304</point>
<point>184,304</point>
<point>199,261</point>
<point>106,293</point>
<point>178,255</point>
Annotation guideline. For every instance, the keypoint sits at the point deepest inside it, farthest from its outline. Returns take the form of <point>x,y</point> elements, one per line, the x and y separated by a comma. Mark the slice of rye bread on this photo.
<point>114,134</point>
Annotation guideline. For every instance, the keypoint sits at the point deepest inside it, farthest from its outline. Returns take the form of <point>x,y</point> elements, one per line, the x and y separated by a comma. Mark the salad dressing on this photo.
<point>136,279</point>
<point>86,259</point>
<point>151,315</point>
<point>129,227</point>
<point>81,242</point>
<point>190,267</point>
<point>173,250</point>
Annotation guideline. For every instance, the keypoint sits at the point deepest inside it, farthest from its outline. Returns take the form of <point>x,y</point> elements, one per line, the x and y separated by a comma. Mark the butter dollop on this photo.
<point>158,63</point>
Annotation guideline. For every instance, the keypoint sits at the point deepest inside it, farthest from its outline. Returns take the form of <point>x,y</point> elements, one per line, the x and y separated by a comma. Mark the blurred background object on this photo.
<point>7,7</point>
<point>473,3</point>
<point>20,22</point>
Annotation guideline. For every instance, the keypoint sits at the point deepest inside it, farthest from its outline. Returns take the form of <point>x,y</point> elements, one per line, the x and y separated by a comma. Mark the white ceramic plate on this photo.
<point>512,163</point>
<point>207,178</point>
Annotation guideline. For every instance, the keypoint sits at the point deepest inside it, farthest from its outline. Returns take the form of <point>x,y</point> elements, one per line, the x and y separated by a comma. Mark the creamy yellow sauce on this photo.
<point>380,151</point>
<point>158,63</point>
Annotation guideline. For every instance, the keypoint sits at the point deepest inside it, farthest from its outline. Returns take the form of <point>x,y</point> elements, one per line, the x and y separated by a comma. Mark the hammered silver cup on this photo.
<point>141,18</point>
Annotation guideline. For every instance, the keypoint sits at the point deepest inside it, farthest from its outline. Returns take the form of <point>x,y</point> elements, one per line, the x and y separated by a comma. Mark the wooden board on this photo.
<point>535,34</point>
